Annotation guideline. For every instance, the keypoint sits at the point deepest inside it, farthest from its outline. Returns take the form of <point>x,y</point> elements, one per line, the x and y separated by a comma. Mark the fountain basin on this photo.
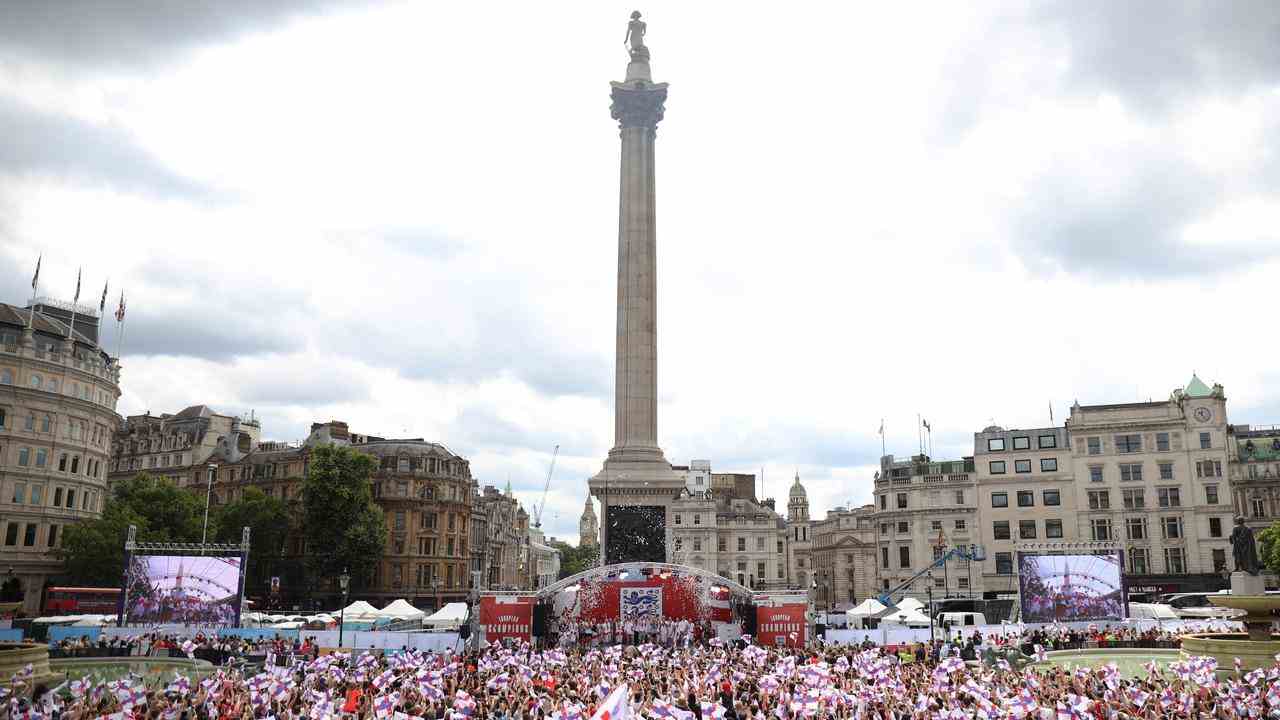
<point>1131,661</point>
<point>1226,647</point>
<point>14,657</point>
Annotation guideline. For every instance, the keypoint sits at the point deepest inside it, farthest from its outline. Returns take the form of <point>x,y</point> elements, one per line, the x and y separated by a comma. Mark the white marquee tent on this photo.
<point>907,616</point>
<point>449,617</point>
<point>401,610</point>
<point>359,611</point>
<point>868,608</point>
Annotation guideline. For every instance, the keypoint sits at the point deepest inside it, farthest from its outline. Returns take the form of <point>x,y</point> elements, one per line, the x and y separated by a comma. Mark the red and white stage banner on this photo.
<point>781,625</point>
<point>503,617</point>
<point>675,597</point>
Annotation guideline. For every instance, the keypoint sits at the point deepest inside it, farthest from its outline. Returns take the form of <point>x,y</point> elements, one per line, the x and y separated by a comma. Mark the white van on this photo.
<point>962,619</point>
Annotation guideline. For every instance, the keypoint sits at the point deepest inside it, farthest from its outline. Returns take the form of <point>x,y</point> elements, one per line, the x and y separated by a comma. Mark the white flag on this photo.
<point>617,706</point>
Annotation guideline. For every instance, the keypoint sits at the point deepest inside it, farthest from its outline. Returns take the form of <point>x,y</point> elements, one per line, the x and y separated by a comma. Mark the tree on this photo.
<point>94,550</point>
<point>267,518</point>
<point>574,560</point>
<point>344,528</point>
<point>1269,548</point>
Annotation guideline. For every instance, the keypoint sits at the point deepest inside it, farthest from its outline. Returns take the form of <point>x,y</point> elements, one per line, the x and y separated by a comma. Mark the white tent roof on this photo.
<point>906,616</point>
<point>451,615</point>
<point>910,604</point>
<point>867,608</point>
<point>359,610</point>
<point>401,610</point>
<point>94,620</point>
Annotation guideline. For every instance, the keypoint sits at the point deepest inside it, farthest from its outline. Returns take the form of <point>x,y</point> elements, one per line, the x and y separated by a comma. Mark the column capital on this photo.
<point>638,103</point>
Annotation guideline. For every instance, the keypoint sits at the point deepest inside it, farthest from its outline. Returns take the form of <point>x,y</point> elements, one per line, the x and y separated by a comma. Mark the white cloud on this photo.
<point>406,219</point>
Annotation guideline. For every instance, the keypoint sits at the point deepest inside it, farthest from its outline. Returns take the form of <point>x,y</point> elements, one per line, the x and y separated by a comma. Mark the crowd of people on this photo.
<point>710,680</point>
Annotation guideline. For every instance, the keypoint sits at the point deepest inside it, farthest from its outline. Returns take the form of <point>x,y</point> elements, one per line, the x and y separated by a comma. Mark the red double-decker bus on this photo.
<point>81,601</point>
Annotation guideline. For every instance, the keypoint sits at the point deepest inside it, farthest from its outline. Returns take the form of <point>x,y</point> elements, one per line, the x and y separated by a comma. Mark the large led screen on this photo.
<point>635,533</point>
<point>1070,588</point>
<point>183,590</point>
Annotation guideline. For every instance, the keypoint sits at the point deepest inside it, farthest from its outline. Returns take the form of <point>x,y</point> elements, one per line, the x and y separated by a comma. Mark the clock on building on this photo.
<point>1203,414</point>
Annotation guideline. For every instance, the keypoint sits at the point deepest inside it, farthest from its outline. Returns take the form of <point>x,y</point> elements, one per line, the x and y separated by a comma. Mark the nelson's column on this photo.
<point>636,483</point>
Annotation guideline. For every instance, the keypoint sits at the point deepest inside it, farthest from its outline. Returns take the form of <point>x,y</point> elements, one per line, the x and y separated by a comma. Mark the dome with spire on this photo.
<point>797,490</point>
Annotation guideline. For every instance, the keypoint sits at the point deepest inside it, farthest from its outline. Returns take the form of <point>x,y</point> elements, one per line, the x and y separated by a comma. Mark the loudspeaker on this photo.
<point>748,610</point>
<point>541,611</point>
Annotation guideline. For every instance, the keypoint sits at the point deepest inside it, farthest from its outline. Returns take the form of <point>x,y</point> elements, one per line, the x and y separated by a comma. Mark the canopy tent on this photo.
<point>401,610</point>
<point>449,616</point>
<point>359,611</point>
<point>867,608</point>
<point>94,621</point>
<point>907,616</point>
<point>910,603</point>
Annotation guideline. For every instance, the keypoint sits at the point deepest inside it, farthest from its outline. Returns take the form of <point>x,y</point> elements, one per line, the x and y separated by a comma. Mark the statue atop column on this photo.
<point>635,36</point>
<point>1244,549</point>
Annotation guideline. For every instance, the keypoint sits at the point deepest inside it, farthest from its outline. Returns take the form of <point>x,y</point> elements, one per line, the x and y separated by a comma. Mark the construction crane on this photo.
<point>537,516</point>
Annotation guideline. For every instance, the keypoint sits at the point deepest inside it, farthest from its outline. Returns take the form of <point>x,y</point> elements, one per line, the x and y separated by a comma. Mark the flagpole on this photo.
<point>71,333</point>
<point>883,452</point>
<point>35,290</point>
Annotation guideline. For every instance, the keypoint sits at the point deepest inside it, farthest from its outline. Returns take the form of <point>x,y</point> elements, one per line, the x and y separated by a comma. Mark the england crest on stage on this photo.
<point>641,602</point>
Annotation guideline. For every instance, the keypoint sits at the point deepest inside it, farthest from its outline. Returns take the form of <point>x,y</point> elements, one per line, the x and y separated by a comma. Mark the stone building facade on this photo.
<point>843,556</point>
<point>1026,497</point>
<point>424,490</point>
<point>506,546</point>
<point>588,526</point>
<point>799,544</point>
<point>922,506</point>
<point>58,395</point>
<point>1151,478</point>
<point>730,533</point>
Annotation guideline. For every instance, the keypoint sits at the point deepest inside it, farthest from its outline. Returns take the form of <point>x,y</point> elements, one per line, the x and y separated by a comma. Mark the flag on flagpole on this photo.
<point>617,706</point>
<point>77,287</point>
<point>35,279</point>
<point>926,425</point>
<point>102,304</point>
<point>120,310</point>
<point>881,426</point>
<point>1050,412</point>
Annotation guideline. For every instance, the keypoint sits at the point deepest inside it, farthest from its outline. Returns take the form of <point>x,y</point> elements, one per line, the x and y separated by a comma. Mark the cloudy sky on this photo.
<point>403,214</point>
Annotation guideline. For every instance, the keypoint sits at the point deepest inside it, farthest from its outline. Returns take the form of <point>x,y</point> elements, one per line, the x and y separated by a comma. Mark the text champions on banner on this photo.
<point>781,625</point>
<point>506,618</point>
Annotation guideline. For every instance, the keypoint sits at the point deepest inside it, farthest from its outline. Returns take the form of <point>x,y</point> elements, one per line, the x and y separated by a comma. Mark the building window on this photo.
<point>884,502</point>
<point>904,556</point>
<point>1004,563</point>
<point>937,552</point>
<point>1101,528</point>
<point>1138,561</point>
<point>1048,464</point>
<point>1215,527</point>
<point>1026,529</point>
<point>677,518</point>
<point>697,544</point>
<point>679,544</point>
<point>1095,445</point>
<point>1128,443</point>
<point>1052,497</point>
<point>1047,441</point>
<point>53,536</point>
<point>19,493</point>
<point>1211,494</point>
<point>1130,472</point>
<point>997,467</point>
<point>1206,443</point>
<point>1053,528</point>
<point>1099,500</point>
<point>1169,497</point>
<point>1026,498</point>
<point>1259,508</point>
<point>37,495</point>
<point>721,544</point>
<point>57,497</point>
<point>1162,442</point>
<point>6,377</point>
<point>29,536</point>
<point>1134,498</point>
<point>760,543</point>
<point>1166,471</point>
<point>935,525</point>
<point>742,544</point>
<point>1136,528</point>
<point>995,445</point>
<point>1209,468</point>
<point>904,527</point>
<point>1095,473</point>
<point>1000,529</point>
<point>1021,442</point>
<point>42,458</point>
<point>1022,466</point>
<point>1219,560</point>
<point>697,519</point>
<point>959,497</point>
<point>1175,561</point>
<point>75,465</point>
<point>902,501</point>
<point>884,557</point>
<point>1171,527</point>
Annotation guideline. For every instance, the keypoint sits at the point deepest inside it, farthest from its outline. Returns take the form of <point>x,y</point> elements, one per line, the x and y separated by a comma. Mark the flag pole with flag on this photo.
<point>35,289</point>
<point>102,309</point>
<point>882,450</point>
<point>928,429</point>
<point>71,332</point>
<point>120,327</point>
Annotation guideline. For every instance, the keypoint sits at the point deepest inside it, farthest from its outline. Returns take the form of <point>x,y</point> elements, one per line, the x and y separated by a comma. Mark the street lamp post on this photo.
<point>204,536</point>
<point>344,580</point>
<point>929,591</point>
<point>435,585</point>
